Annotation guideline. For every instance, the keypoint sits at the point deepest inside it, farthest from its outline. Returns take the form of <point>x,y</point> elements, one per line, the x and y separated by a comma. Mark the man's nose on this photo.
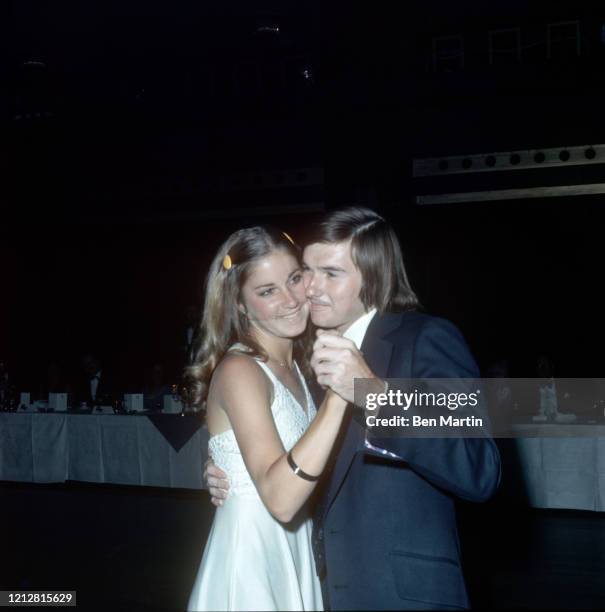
<point>312,288</point>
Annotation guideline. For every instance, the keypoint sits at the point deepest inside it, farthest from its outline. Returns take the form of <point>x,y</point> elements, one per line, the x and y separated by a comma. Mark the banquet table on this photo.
<point>101,448</point>
<point>563,466</point>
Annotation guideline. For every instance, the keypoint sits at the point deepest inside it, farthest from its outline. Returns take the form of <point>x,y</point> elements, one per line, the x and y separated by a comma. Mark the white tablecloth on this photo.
<point>96,448</point>
<point>567,471</point>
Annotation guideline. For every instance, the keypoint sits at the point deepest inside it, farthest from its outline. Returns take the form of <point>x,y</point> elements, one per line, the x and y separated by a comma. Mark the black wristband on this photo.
<point>300,472</point>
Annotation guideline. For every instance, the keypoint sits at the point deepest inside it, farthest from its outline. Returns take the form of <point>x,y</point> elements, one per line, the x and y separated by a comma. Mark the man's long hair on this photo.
<point>376,252</point>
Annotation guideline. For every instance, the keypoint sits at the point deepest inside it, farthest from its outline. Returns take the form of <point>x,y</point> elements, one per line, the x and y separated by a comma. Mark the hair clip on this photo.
<point>227,263</point>
<point>288,238</point>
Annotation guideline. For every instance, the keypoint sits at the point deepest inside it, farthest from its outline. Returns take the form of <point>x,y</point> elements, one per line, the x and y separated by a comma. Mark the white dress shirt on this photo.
<point>357,332</point>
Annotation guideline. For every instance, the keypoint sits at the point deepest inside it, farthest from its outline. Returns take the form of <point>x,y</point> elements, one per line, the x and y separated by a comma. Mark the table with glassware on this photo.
<point>125,449</point>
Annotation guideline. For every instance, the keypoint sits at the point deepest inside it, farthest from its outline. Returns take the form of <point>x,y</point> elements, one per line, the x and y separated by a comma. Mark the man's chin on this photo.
<point>321,321</point>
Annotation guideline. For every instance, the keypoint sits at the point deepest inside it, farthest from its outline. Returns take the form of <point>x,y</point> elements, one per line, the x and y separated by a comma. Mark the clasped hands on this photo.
<point>336,362</point>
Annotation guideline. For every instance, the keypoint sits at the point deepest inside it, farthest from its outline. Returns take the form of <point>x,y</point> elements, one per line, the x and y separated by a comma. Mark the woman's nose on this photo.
<point>292,300</point>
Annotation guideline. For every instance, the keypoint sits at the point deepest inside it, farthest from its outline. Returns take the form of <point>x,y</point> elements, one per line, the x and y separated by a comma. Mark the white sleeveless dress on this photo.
<point>251,560</point>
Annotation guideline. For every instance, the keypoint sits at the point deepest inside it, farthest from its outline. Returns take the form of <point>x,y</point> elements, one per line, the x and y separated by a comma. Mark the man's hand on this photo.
<point>217,483</point>
<point>337,362</point>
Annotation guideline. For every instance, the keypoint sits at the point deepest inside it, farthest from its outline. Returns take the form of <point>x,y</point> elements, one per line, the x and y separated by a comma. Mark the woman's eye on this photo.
<point>296,279</point>
<point>266,292</point>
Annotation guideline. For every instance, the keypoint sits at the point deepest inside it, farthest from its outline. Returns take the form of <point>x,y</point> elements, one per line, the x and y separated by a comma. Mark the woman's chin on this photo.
<point>294,329</point>
<point>294,333</point>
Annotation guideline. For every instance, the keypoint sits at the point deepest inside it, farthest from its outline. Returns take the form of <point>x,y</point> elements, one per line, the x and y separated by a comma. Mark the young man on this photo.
<point>385,534</point>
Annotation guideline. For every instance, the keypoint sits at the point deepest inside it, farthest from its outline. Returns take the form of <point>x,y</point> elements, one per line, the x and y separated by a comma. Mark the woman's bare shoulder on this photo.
<point>236,371</point>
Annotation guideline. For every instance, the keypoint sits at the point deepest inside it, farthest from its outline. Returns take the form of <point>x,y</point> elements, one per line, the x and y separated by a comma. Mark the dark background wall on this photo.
<point>139,135</point>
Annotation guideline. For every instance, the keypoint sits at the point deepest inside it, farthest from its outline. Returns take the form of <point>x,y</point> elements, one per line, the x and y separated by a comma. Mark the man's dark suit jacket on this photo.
<point>385,535</point>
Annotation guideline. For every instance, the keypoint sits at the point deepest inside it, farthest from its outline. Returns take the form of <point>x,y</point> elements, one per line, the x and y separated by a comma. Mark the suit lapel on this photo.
<point>377,353</point>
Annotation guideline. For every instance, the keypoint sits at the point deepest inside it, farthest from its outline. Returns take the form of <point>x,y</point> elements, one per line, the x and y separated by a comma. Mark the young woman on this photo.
<point>264,429</point>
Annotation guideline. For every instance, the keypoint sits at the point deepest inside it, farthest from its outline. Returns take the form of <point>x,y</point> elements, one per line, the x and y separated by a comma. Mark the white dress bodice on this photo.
<point>291,421</point>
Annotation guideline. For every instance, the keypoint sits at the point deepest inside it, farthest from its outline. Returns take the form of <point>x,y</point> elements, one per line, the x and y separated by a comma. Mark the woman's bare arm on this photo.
<point>248,406</point>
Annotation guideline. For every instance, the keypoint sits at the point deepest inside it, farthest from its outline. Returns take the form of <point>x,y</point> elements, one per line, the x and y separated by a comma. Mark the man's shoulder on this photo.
<point>413,323</point>
<point>420,338</point>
